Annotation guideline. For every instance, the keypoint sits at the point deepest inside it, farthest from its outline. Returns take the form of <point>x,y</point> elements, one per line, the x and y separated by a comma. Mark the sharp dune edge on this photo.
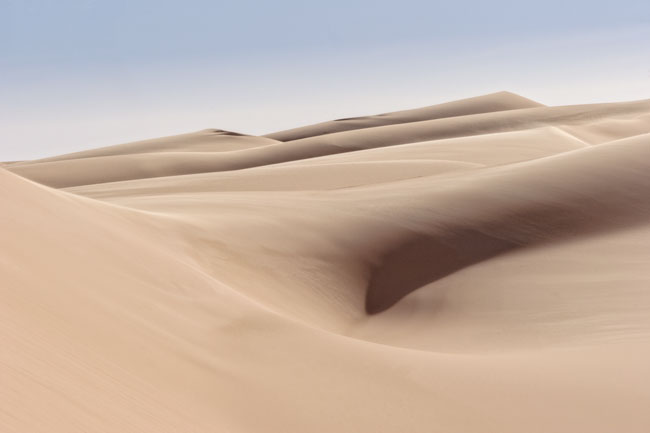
<point>474,266</point>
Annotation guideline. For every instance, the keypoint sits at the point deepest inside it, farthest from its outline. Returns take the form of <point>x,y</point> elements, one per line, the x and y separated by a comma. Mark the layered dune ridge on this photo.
<point>474,266</point>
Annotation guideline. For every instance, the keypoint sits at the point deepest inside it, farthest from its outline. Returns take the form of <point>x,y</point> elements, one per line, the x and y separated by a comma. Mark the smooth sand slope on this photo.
<point>476,266</point>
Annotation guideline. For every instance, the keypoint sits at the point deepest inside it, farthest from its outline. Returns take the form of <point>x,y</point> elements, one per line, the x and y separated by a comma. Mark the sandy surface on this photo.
<point>475,266</point>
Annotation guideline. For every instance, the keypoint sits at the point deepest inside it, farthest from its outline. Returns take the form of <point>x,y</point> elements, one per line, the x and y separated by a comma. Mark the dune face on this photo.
<point>501,101</point>
<point>475,266</point>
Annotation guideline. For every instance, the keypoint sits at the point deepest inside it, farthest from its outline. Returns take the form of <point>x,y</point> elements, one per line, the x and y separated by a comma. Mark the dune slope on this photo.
<point>501,101</point>
<point>476,266</point>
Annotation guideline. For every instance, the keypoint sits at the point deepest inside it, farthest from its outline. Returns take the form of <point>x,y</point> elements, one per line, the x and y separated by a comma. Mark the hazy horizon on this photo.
<point>78,75</point>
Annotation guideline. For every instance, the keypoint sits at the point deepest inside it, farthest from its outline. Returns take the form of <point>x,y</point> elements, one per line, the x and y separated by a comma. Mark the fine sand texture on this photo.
<point>478,266</point>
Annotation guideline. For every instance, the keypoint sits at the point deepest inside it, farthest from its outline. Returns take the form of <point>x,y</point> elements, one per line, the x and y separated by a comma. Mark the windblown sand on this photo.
<point>476,266</point>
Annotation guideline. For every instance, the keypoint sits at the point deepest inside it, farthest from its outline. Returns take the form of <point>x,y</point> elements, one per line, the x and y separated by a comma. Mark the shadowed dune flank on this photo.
<point>557,199</point>
<point>475,266</point>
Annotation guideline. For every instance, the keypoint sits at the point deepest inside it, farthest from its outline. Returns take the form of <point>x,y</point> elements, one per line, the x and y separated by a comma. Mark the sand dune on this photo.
<point>501,101</point>
<point>476,266</point>
<point>208,140</point>
<point>126,162</point>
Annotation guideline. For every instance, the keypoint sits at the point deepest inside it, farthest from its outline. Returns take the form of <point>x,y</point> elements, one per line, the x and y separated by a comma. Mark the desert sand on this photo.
<point>481,265</point>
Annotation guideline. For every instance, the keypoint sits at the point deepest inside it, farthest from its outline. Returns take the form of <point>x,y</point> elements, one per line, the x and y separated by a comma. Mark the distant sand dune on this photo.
<point>475,266</point>
<point>501,101</point>
<point>137,161</point>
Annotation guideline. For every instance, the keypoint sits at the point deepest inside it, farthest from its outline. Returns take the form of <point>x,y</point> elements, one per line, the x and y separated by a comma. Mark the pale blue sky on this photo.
<point>82,74</point>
